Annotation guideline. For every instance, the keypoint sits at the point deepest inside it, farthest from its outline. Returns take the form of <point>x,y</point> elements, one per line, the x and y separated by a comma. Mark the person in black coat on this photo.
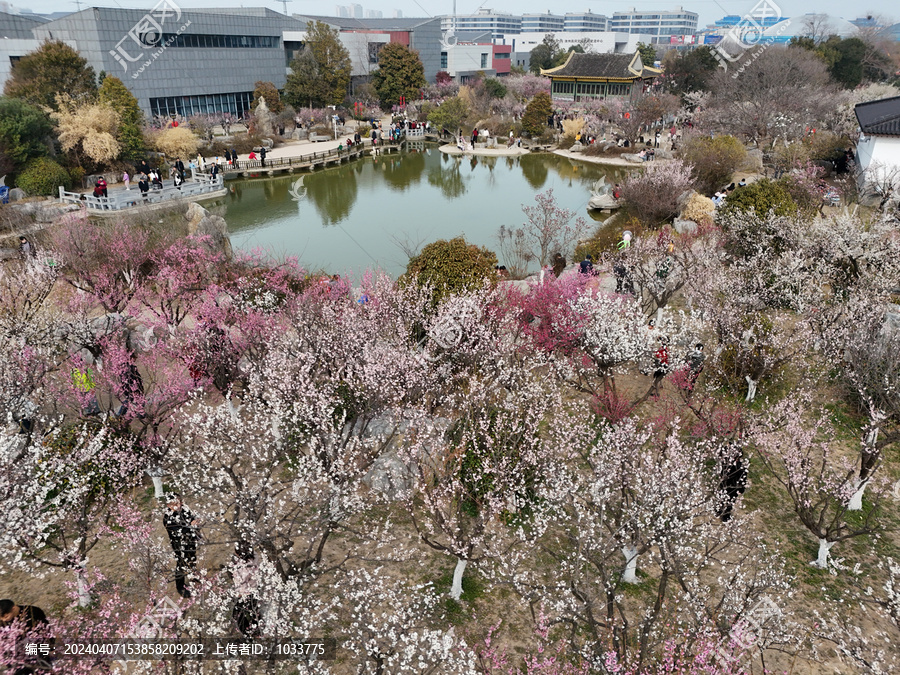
<point>182,528</point>
<point>262,156</point>
<point>180,166</point>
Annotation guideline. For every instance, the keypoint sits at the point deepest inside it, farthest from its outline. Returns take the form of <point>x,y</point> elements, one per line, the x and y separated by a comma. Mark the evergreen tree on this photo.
<point>400,73</point>
<point>54,68</point>
<point>321,72</point>
<point>534,121</point>
<point>23,132</point>
<point>130,136</point>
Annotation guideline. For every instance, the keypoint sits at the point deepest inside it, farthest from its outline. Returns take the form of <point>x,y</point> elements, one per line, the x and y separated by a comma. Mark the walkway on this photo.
<point>120,199</point>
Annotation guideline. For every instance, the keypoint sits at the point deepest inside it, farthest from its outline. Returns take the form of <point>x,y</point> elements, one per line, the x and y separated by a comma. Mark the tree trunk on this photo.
<point>456,589</point>
<point>822,561</point>
<point>156,475</point>
<point>855,503</point>
<point>751,389</point>
<point>631,556</point>
<point>84,593</point>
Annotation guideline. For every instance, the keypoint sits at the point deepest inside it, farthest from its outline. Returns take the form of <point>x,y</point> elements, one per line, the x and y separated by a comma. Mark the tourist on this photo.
<point>695,363</point>
<point>559,264</point>
<point>177,179</point>
<point>587,265</point>
<point>642,155</point>
<point>252,156</point>
<point>143,185</point>
<point>742,183</point>
<point>183,531</point>
<point>200,161</point>
<point>660,365</point>
<point>214,172</point>
<point>474,137</point>
<point>245,573</point>
<point>180,166</point>
<point>26,250</point>
<point>262,155</point>
<point>101,182</point>
<point>227,156</point>
<point>127,180</point>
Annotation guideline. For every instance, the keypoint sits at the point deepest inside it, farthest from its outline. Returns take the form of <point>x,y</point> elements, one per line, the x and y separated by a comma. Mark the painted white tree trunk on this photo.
<point>631,556</point>
<point>229,406</point>
<point>456,588</point>
<point>856,500</point>
<point>84,593</point>
<point>659,315</point>
<point>751,389</point>
<point>822,561</point>
<point>156,475</point>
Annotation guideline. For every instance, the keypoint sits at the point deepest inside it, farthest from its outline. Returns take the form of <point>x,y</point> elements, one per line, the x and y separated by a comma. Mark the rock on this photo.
<point>578,147</point>
<point>16,194</point>
<point>607,202</point>
<point>47,213</point>
<point>754,160</point>
<point>683,226</point>
<point>608,145</point>
<point>664,154</point>
<point>629,157</point>
<point>268,143</point>
<point>683,198</point>
<point>299,134</point>
<point>202,222</point>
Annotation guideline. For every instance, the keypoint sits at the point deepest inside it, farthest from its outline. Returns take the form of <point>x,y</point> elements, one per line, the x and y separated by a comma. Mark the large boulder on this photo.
<point>17,194</point>
<point>578,147</point>
<point>202,222</point>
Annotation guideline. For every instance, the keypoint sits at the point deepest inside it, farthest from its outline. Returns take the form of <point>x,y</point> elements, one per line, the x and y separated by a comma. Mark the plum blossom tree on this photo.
<point>548,228</point>
<point>635,491</point>
<point>819,484</point>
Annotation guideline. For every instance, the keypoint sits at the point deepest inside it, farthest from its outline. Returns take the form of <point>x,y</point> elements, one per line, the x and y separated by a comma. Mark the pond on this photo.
<point>368,213</point>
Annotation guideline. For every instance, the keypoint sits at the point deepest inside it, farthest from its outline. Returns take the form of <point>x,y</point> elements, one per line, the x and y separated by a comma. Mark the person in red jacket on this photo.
<point>660,364</point>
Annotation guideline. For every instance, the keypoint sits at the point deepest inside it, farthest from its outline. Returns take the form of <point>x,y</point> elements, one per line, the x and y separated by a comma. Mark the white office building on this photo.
<point>661,25</point>
<point>484,20</point>
<point>546,23</point>
<point>585,22</point>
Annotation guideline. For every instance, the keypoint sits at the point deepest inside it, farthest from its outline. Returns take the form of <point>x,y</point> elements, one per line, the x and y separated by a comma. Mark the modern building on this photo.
<point>543,23</point>
<point>878,147</point>
<point>185,62</point>
<point>484,19</point>
<point>662,25</point>
<point>584,22</point>
<point>599,76</point>
<point>16,40</point>
<point>364,38</point>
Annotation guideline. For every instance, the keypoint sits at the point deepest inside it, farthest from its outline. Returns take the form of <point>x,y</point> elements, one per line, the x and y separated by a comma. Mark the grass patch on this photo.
<point>457,612</point>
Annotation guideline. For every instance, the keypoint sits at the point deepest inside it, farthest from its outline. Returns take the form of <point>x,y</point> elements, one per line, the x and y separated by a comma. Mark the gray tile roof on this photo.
<point>880,118</point>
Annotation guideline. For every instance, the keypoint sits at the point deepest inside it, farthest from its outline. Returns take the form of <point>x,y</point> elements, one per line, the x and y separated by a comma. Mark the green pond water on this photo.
<point>364,214</point>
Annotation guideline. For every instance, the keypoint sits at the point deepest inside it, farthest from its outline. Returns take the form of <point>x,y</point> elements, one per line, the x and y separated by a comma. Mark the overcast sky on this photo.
<point>709,10</point>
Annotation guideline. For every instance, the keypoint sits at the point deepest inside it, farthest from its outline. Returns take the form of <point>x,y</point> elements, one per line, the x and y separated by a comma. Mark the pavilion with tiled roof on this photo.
<point>587,76</point>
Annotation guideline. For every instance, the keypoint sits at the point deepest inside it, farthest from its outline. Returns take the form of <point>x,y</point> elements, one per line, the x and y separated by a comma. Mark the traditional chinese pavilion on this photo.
<point>586,76</point>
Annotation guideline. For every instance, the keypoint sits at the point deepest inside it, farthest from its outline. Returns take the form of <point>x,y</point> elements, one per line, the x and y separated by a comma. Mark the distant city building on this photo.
<point>398,14</point>
<point>373,14</point>
<point>584,22</point>
<point>357,11</point>
<point>546,23</point>
<point>662,25</point>
<point>484,19</point>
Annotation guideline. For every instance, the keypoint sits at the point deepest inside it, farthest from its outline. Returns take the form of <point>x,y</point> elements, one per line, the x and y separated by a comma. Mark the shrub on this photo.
<point>699,209</point>
<point>176,142</point>
<point>43,176</point>
<point>762,196</point>
<point>451,267</point>
<point>539,109</point>
<point>653,193</point>
<point>714,160</point>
